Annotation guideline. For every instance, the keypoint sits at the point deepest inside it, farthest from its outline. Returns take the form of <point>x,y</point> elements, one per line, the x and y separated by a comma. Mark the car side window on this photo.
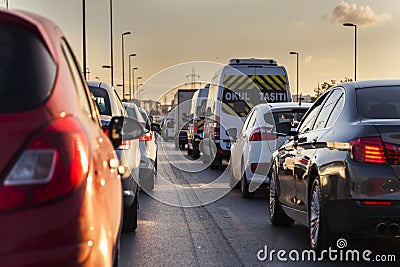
<point>79,83</point>
<point>246,122</point>
<point>336,112</point>
<point>327,109</point>
<point>252,120</point>
<point>308,121</point>
<point>121,108</point>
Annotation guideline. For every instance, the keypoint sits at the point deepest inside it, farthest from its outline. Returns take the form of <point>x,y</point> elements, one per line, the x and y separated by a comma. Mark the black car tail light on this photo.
<point>393,153</point>
<point>51,166</point>
<point>368,149</point>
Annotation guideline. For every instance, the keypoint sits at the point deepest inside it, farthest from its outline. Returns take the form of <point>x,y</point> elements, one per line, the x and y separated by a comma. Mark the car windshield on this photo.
<point>27,71</point>
<point>379,102</point>
<point>283,116</point>
<point>102,100</point>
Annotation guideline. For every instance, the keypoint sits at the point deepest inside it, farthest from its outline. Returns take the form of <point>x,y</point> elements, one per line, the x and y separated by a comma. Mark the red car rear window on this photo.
<point>27,71</point>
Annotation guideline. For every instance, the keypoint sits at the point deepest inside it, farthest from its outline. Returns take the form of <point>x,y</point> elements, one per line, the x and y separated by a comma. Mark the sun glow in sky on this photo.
<point>170,32</point>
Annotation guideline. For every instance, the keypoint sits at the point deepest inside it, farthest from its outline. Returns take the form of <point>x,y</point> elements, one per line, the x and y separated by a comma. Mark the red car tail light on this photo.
<point>125,145</point>
<point>262,133</point>
<point>106,129</point>
<point>146,137</point>
<point>368,149</point>
<point>393,153</point>
<point>51,166</point>
<point>376,203</point>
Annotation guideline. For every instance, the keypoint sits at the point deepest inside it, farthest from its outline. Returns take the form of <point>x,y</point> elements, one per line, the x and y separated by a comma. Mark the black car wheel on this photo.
<point>148,182</point>
<point>130,216</point>
<point>320,235</point>
<point>277,216</point>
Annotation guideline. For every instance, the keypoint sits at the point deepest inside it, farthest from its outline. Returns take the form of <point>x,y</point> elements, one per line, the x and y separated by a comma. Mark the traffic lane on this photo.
<point>228,232</point>
<point>177,236</point>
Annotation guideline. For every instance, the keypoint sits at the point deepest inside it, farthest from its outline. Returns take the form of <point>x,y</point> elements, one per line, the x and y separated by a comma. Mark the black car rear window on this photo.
<point>102,100</point>
<point>379,102</point>
<point>27,70</point>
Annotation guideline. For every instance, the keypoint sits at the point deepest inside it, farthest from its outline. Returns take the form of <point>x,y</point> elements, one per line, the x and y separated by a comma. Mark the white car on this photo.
<point>148,150</point>
<point>128,152</point>
<point>263,131</point>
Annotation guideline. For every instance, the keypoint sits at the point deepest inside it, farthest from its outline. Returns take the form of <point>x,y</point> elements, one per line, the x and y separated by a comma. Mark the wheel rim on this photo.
<point>315,211</point>
<point>272,197</point>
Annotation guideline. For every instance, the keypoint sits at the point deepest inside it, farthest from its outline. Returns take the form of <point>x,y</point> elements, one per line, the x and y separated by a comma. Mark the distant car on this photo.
<point>343,165</point>
<point>264,130</point>
<point>60,192</point>
<point>148,150</point>
<point>168,129</point>
<point>195,132</point>
<point>128,152</point>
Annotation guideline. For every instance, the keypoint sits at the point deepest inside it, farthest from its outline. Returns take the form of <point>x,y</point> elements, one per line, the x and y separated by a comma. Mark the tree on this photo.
<point>320,89</point>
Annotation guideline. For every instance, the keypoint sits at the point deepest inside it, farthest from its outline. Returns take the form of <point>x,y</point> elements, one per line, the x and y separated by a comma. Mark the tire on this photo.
<point>277,215</point>
<point>181,146</point>
<point>155,166</point>
<point>320,235</point>
<point>195,152</point>
<point>130,216</point>
<point>217,163</point>
<point>148,182</point>
<point>244,187</point>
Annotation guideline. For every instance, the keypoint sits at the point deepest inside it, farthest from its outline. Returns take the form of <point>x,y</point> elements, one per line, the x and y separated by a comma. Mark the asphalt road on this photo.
<point>192,218</point>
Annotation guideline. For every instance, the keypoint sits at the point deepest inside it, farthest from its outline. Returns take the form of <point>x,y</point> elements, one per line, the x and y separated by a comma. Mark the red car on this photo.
<point>60,192</point>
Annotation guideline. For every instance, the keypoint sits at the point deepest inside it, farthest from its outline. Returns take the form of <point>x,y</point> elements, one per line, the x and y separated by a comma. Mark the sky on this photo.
<point>166,33</point>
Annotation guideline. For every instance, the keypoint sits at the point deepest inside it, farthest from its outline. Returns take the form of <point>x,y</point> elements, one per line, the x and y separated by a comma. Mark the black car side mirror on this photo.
<point>124,128</point>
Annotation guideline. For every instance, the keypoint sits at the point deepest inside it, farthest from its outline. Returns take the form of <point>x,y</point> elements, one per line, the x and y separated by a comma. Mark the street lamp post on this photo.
<point>297,73</point>
<point>123,64</point>
<point>137,87</point>
<point>111,44</point>
<point>355,47</point>
<point>109,67</point>
<point>133,83</point>
<point>84,37</point>
<point>130,75</point>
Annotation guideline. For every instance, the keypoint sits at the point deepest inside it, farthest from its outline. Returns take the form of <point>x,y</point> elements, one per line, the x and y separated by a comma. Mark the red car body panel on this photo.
<point>82,227</point>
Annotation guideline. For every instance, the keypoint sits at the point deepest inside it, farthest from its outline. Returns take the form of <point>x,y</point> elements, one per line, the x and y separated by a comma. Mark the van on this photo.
<point>197,113</point>
<point>233,92</point>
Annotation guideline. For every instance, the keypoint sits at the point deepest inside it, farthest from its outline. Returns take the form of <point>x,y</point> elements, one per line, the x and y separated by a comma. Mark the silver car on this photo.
<point>128,152</point>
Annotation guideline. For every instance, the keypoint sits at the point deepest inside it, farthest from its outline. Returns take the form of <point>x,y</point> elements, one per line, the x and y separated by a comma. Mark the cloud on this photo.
<point>308,59</point>
<point>363,15</point>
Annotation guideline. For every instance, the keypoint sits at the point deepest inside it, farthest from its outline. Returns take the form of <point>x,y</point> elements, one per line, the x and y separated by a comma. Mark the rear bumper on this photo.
<point>349,216</point>
<point>65,232</point>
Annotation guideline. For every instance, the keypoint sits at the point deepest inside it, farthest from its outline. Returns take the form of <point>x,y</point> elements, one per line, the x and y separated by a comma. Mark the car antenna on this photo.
<point>300,99</point>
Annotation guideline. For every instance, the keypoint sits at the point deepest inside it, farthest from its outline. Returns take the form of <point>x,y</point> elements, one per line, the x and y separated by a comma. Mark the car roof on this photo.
<point>283,105</point>
<point>102,85</point>
<point>371,83</point>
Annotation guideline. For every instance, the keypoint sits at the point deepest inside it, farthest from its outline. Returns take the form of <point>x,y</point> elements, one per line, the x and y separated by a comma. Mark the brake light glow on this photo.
<point>53,164</point>
<point>368,149</point>
<point>125,145</point>
<point>262,133</point>
<point>376,203</point>
<point>146,137</point>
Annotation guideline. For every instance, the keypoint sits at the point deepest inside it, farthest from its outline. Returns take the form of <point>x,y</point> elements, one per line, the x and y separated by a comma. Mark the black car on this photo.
<point>340,172</point>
